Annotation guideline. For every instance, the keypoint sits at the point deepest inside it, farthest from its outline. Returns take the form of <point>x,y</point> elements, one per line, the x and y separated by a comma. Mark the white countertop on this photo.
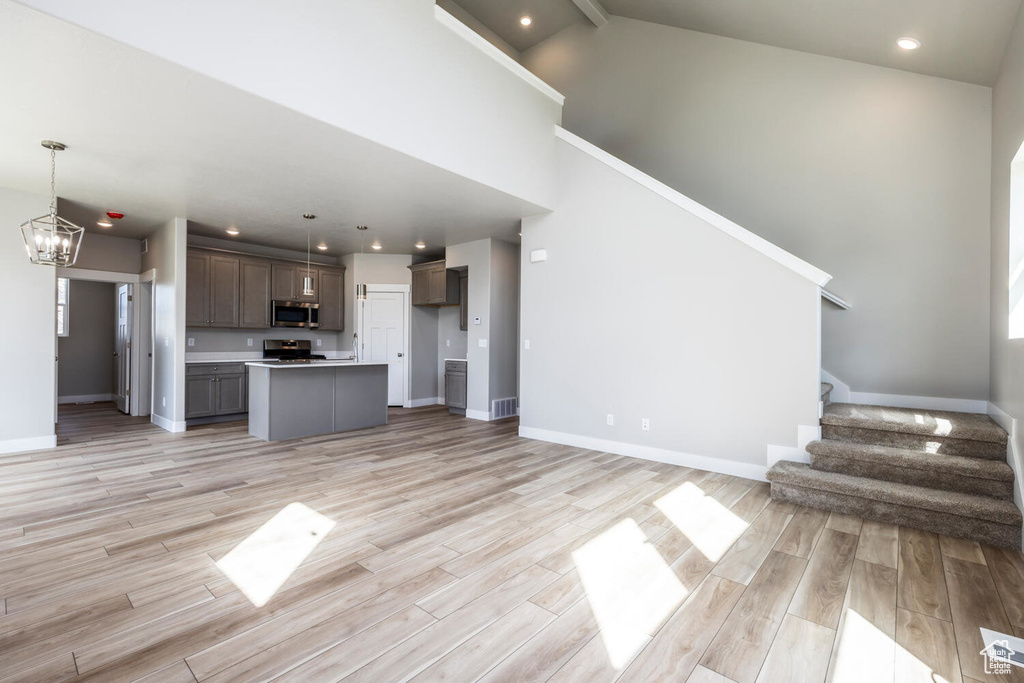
<point>457,360</point>
<point>313,364</point>
<point>247,357</point>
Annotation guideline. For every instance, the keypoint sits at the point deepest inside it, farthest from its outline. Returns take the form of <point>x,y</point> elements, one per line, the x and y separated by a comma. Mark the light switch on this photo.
<point>449,342</point>
<point>167,341</point>
<point>482,343</point>
<point>526,344</point>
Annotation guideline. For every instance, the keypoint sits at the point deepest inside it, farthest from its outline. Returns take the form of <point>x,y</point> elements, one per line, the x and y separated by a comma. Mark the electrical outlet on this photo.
<point>248,342</point>
<point>482,343</point>
<point>163,401</point>
<point>449,342</point>
<point>167,341</point>
<point>526,344</point>
<point>191,341</point>
<point>319,341</point>
<point>645,424</point>
<point>610,419</point>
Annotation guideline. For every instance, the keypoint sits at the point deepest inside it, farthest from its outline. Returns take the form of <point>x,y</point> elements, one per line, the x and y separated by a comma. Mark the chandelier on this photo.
<point>51,240</point>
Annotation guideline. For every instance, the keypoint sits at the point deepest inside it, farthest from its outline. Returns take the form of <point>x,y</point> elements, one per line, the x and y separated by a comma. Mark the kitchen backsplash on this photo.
<point>205,340</point>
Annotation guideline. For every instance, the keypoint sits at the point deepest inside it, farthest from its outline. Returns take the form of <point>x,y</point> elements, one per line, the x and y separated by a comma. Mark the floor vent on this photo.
<point>503,407</point>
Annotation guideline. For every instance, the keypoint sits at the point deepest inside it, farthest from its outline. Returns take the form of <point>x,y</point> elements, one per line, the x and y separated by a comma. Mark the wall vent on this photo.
<point>504,407</point>
<point>145,245</point>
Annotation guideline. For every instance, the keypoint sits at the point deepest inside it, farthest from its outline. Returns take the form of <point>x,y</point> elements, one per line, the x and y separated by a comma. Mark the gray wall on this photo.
<point>504,344</point>
<point>668,320</point>
<point>476,258</point>
<point>167,248</point>
<point>110,253</point>
<point>27,384</point>
<point>448,331</point>
<point>879,177</point>
<point>424,351</point>
<point>86,366</point>
<point>1007,372</point>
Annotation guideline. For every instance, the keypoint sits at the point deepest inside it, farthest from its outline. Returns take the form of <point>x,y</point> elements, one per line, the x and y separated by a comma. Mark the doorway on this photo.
<point>383,336</point>
<point>122,349</point>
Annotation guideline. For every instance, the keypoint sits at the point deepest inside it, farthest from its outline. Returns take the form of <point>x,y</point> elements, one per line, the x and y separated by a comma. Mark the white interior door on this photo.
<point>383,339</point>
<point>122,355</point>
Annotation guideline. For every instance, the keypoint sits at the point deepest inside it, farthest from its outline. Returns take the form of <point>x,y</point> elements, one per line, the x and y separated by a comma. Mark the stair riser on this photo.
<point>971,449</point>
<point>919,518</point>
<point>826,398</point>
<point>932,479</point>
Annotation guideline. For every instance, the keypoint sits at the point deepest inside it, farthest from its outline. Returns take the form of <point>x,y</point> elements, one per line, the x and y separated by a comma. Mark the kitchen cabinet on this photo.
<point>434,285</point>
<point>232,289</point>
<point>211,290</point>
<point>213,389</point>
<point>463,303</point>
<point>287,282</point>
<point>332,300</point>
<point>455,388</point>
<point>254,293</point>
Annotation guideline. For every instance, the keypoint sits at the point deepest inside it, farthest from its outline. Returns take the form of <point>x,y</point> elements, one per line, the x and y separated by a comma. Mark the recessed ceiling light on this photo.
<point>322,247</point>
<point>909,43</point>
<point>526,21</point>
<point>376,245</point>
<point>232,231</point>
<point>104,224</point>
<point>420,245</point>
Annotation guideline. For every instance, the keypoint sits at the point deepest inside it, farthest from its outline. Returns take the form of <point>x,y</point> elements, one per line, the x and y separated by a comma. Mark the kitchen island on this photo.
<point>291,400</point>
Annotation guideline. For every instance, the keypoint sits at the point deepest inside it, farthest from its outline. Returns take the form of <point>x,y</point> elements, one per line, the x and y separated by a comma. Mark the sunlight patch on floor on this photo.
<point>261,563</point>
<point>865,653</point>
<point>709,525</point>
<point>629,587</point>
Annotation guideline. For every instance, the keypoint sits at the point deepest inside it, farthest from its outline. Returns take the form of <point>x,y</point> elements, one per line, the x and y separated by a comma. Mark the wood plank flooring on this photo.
<point>455,550</point>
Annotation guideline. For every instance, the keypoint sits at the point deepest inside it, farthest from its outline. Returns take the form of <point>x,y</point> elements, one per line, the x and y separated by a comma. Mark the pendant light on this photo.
<point>51,240</point>
<point>361,287</point>
<point>307,281</point>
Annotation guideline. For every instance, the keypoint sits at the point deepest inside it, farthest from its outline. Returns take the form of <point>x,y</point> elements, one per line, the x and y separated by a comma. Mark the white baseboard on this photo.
<point>429,401</point>
<point>1013,453</point>
<point>85,398</point>
<point>805,434</point>
<point>701,462</point>
<point>35,443</point>
<point>841,393</point>
<point>164,423</point>
<point>478,415</point>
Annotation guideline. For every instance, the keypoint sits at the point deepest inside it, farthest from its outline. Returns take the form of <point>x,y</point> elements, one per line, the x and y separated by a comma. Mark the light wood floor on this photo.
<point>460,552</point>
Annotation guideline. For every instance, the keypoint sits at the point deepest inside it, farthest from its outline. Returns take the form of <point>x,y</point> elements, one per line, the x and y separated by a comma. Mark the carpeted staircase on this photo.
<point>940,471</point>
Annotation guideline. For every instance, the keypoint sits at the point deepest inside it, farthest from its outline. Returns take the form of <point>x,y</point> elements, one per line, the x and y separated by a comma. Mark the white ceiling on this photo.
<point>963,40</point>
<point>154,140</point>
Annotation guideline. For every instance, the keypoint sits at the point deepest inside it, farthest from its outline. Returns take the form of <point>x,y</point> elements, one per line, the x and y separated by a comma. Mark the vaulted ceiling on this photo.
<point>962,40</point>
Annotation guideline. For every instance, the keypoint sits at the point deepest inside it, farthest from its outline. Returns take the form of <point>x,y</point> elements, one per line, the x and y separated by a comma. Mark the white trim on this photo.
<point>99,275</point>
<point>85,398</point>
<point>148,276</point>
<point>759,244</point>
<point>837,300</point>
<point>594,11</point>
<point>482,415</point>
<point>164,423</point>
<point>805,434</point>
<point>34,443</point>
<point>701,462</point>
<point>1014,457</point>
<point>840,389</point>
<point>496,54</point>
<point>429,401</point>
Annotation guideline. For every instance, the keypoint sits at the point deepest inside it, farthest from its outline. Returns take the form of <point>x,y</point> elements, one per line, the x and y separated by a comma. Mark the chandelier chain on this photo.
<point>53,181</point>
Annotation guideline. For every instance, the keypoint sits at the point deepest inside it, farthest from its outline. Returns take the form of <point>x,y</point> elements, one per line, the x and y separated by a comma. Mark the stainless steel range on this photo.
<point>290,351</point>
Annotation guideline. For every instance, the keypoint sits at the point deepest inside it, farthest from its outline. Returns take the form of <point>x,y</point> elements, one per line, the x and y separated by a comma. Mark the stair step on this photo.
<point>826,388</point>
<point>919,468</point>
<point>944,432</point>
<point>980,518</point>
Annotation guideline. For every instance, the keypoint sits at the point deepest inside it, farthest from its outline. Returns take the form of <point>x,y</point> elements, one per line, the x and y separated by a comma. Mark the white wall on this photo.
<point>1007,372</point>
<point>27,385</point>
<point>386,70</point>
<point>167,249</point>
<point>643,310</point>
<point>880,177</point>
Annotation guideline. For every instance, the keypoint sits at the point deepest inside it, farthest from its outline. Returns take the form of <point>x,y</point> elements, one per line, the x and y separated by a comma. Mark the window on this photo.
<point>63,291</point>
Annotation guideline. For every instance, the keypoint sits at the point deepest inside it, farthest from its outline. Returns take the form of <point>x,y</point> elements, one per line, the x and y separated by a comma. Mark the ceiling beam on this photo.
<point>594,11</point>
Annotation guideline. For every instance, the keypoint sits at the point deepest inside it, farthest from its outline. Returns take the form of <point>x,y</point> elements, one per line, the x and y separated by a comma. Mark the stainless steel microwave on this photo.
<point>295,314</point>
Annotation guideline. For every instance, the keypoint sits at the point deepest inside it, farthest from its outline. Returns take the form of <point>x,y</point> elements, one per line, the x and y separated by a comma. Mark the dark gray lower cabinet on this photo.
<point>212,390</point>
<point>455,384</point>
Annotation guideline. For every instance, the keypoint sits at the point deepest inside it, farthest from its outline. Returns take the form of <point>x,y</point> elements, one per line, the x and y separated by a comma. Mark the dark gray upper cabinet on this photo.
<point>230,289</point>
<point>434,285</point>
<point>197,281</point>
<point>254,290</point>
<point>332,300</point>
<point>223,291</point>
